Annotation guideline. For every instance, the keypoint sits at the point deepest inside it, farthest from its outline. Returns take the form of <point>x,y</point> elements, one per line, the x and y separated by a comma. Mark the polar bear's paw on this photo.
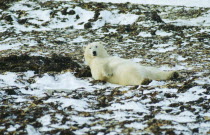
<point>146,81</point>
<point>174,75</point>
<point>108,75</point>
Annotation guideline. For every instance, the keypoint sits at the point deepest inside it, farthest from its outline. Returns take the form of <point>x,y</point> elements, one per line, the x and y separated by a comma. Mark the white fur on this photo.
<point>118,70</point>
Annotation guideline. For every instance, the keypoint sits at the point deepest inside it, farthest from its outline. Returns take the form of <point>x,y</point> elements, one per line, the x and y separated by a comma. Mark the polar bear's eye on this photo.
<point>90,48</point>
<point>96,46</point>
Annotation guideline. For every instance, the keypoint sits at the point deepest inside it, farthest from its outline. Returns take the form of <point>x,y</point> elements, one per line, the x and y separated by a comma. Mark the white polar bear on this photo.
<point>120,71</point>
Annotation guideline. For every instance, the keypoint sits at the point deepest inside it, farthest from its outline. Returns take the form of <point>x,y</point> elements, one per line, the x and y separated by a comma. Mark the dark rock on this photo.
<point>147,117</point>
<point>65,12</point>
<point>37,124</point>
<point>182,108</point>
<point>52,14</point>
<point>153,16</point>
<point>96,15</point>
<point>11,90</point>
<point>7,17</point>
<point>88,25</point>
<point>71,12</point>
<point>170,132</point>
<point>169,110</point>
<point>22,21</point>
<point>129,28</point>
<point>175,104</point>
<point>169,95</point>
<point>195,130</point>
<point>207,87</point>
<point>77,17</point>
<point>120,38</point>
<point>102,101</point>
<point>153,32</point>
<point>200,100</point>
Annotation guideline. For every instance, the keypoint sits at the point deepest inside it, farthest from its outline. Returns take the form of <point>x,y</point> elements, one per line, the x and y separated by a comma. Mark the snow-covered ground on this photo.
<point>63,103</point>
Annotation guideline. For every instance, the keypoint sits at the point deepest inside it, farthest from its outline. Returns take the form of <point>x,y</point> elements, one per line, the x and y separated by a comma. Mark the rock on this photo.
<point>96,15</point>
<point>153,16</point>
<point>71,12</point>
<point>88,25</point>
<point>77,17</point>
<point>170,132</point>
<point>7,17</point>
<point>66,12</point>
<point>53,13</point>
<point>169,95</point>
<point>11,90</point>
<point>102,101</point>
<point>22,21</point>
<point>207,87</point>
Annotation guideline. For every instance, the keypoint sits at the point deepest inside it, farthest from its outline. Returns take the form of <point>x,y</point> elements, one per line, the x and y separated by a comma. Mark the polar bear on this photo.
<point>118,70</point>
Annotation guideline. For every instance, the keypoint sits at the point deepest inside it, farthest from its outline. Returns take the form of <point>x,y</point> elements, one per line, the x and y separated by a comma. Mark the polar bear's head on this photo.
<point>94,50</point>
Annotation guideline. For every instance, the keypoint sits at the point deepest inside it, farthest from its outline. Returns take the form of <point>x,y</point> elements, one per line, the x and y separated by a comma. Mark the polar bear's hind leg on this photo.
<point>146,81</point>
<point>156,74</point>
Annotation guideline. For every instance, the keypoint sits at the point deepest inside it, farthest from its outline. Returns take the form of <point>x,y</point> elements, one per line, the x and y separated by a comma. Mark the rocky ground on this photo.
<point>46,88</point>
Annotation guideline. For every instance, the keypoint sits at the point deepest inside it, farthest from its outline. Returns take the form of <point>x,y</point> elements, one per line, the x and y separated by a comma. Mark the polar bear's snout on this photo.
<point>94,53</point>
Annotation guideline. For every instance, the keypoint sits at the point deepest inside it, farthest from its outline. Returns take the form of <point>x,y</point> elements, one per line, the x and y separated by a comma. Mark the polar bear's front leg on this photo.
<point>107,73</point>
<point>101,73</point>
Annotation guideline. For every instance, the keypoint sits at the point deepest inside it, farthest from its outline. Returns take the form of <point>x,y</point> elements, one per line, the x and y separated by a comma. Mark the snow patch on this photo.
<point>136,125</point>
<point>77,104</point>
<point>181,118</point>
<point>45,120</point>
<point>114,18</point>
<point>162,50</point>
<point>66,81</point>
<point>31,130</point>
<point>129,106</point>
<point>163,33</point>
<point>145,34</point>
